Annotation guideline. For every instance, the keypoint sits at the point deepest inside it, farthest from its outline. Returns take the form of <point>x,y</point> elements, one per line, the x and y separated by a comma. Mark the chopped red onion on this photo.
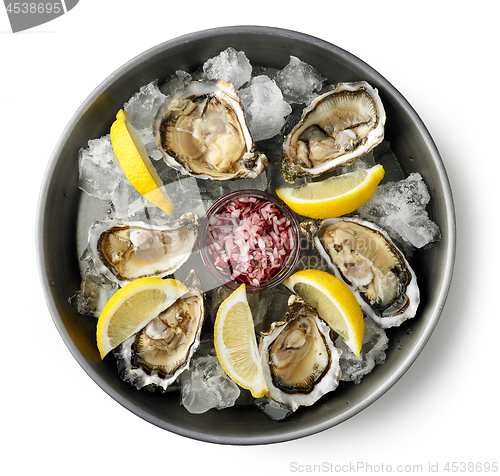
<point>249,240</point>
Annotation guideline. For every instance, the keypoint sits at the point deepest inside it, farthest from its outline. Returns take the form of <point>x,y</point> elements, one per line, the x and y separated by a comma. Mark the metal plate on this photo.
<point>60,201</point>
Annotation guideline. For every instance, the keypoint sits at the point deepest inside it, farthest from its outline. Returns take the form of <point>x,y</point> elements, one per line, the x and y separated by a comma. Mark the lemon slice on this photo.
<point>334,301</point>
<point>334,196</point>
<point>236,344</point>
<point>132,307</point>
<point>136,164</point>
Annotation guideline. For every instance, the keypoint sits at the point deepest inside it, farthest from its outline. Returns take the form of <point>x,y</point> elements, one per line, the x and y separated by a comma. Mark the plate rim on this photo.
<point>450,245</point>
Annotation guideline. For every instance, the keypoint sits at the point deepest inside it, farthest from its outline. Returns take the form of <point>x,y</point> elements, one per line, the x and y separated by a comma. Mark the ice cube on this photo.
<point>266,306</point>
<point>269,306</point>
<point>149,142</point>
<point>99,172</point>
<point>125,199</point>
<point>375,343</point>
<point>419,232</point>
<point>230,65</point>
<point>299,81</point>
<point>95,292</point>
<point>217,297</point>
<point>183,191</point>
<point>135,205</point>
<point>101,177</point>
<point>272,409</point>
<point>177,81</point>
<point>399,208</point>
<point>142,106</point>
<point>205,385</point>
<point>185,194</point>
<point>363,163</point>
<point>211,191</point>
<point>265,108</point>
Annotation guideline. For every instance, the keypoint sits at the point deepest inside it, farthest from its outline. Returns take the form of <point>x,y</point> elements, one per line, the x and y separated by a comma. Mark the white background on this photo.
<point>442,58</point>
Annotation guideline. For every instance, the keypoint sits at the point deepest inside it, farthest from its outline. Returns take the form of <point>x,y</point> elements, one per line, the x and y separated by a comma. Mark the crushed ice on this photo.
<point>299,81</point>
<point>141,110</point>
<point>177,81</point>
<point>101,177</point>
<point>141,107</point>
<point>265,109</point>
<point>205,385</point>
<point>230,65</point>
<point>399,208</point>
<point>95,292</point>
<point>375,343</point>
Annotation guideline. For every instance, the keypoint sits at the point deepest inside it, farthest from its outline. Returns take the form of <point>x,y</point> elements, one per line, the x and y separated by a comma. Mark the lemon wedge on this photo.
<point>132,307</point>
<point>236,344</point>
<point>136,164</point>
<point>334,301</point>
<point>334,196</point>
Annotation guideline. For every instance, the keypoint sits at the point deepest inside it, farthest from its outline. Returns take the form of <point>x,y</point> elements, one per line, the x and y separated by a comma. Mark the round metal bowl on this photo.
<point>60,204</point>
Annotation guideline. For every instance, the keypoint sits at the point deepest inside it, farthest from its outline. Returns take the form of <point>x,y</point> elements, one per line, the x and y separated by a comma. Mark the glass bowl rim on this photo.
<point>288,266</point>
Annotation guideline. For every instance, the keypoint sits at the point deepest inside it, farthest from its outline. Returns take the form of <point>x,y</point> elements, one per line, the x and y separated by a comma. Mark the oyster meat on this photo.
<point>367,260</point>
<point>125,250</point>
<point>334,130</point>
<point>201,130</point>
<point>155,356</point>
<point>299,359</point>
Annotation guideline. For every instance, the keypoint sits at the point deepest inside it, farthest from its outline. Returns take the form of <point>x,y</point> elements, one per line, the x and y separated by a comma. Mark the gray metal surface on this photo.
<point>60,201</point>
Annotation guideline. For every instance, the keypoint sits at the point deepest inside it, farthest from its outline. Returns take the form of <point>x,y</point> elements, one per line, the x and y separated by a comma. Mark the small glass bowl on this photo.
<point>280,274</point>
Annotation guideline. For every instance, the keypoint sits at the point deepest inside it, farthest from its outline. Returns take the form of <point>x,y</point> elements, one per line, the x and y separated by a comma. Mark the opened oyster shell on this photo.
<point>154,357</point>
<point>201,130</point>
<point>367,260</point>
<point>334,130</point>
<point>124,250</point>
<point>299,359</point>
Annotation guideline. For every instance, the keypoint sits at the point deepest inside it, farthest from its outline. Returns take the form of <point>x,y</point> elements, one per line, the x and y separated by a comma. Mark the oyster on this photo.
<point>155,356</point>
<point>125,250</point>
<point>201,130</point>
<point>363,255</point>
<point>299,359</point>
<point>334,130</point>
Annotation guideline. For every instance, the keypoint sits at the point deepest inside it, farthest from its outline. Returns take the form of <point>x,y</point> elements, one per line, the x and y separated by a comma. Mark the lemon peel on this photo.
<point>136,164</point>
<point>236,344</point>
<point>132,307</point>
<point>334,301</point>
<point>335,196</point>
